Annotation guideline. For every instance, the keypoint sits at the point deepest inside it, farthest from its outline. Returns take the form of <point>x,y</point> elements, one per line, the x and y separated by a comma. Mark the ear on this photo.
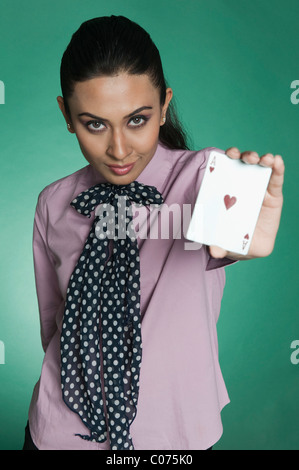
<point>168,98</point>
<point>68,121</point>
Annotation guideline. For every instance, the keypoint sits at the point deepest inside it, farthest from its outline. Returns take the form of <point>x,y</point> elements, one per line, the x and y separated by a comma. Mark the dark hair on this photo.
<point>106,46</point>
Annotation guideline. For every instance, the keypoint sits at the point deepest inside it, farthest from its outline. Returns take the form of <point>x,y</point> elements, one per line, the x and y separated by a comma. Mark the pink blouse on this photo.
<point>181,392</point>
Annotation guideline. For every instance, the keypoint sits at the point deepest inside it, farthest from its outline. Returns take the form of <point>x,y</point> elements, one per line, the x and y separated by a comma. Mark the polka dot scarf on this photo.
<point>101,328</point>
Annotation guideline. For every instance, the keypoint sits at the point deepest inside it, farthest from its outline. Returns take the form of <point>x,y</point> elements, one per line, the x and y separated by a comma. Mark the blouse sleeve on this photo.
<point>47,288</point>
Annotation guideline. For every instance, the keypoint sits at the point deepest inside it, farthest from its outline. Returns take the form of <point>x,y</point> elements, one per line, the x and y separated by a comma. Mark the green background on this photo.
<point>230,64</point>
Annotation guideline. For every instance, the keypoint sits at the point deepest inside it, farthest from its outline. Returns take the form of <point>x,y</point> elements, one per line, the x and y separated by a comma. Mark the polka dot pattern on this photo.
<point>101,330</point>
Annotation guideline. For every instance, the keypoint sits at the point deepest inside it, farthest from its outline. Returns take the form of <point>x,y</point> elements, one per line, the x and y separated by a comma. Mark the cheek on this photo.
<point>88,151</point>
<point>147,139</point>
<point>89,144</point>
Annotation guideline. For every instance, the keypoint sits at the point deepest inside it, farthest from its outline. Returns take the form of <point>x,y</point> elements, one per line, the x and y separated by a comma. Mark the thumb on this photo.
<point>217,252</point>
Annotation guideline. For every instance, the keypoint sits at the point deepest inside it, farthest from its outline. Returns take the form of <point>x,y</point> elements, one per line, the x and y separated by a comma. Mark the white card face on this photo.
<point>228,203</point>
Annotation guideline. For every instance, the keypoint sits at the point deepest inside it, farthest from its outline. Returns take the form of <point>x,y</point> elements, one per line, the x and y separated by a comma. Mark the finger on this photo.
<point>233,152</point>
<point>249,157</point>
<point>277,177</point>
<point>217,252</point>
<point>267,160</point>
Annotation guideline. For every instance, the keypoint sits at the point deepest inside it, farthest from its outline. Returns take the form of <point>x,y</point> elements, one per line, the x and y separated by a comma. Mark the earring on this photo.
<point>68,126</point>
<point>164,120</point>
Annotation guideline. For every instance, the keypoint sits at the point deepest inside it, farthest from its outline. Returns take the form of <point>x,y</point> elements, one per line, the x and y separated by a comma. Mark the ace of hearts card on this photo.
<point>228,203</point>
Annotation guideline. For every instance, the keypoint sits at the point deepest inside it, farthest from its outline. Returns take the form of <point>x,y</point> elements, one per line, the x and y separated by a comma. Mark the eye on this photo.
<point>95,126</point>
<point>138,121</point>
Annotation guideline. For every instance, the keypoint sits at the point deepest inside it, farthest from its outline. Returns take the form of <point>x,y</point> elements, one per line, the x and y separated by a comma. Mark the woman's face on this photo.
<point>117,121</point>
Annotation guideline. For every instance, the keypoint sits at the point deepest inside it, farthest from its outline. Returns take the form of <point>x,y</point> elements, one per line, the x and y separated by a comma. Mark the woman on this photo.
<point>129,329</point>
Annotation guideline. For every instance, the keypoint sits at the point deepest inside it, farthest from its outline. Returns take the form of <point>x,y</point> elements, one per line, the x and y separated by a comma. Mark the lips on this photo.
<point>121,169</point>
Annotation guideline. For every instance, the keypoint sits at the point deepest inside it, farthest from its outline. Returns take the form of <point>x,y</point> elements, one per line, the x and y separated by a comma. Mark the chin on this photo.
<point>116,179</point>
<point>122,180</point>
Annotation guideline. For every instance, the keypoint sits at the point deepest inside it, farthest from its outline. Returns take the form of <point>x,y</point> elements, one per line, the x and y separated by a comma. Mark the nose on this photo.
<point>118,147</point>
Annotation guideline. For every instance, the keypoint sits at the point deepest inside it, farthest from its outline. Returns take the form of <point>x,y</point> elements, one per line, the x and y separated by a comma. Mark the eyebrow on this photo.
<point>138,110</point>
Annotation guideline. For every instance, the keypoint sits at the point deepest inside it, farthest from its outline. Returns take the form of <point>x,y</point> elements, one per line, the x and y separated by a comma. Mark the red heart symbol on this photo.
<point>212,168</point>
<point>229,201</point>
<point>247,237</point>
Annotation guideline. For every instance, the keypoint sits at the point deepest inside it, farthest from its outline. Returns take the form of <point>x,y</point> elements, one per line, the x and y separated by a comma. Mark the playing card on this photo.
<point>228,203</point>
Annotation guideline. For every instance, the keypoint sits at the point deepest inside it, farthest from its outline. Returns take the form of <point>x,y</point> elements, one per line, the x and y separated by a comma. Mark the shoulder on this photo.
<point>186,160</point>
<point>192,158</point>
<point>187,168</point>
<point>189,164</point>
<point>64,188</point>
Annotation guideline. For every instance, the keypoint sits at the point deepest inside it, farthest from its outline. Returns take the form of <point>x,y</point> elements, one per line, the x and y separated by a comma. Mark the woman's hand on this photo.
<point>268,222</point>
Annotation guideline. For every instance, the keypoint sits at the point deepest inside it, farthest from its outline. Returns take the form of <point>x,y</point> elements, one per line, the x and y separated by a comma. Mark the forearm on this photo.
<point>48,292</point>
